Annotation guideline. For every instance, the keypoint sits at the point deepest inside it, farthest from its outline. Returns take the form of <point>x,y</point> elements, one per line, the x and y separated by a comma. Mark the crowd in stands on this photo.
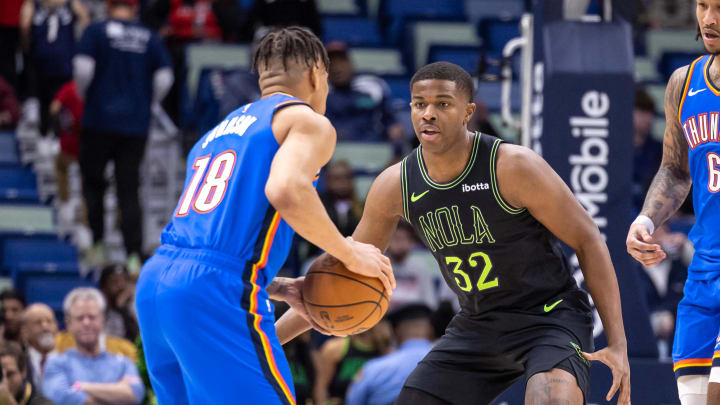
<point>94,74</point>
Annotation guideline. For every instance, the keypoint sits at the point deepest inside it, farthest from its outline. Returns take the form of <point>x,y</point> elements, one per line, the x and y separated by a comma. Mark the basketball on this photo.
<point>343,302</point>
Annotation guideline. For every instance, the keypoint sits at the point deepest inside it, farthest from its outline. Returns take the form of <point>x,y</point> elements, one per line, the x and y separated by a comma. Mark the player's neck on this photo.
<point>445,166</point>
<point>715,70</point>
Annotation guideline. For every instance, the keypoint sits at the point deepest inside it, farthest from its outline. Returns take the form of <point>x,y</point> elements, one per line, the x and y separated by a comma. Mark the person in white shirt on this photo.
<point>39,328</point>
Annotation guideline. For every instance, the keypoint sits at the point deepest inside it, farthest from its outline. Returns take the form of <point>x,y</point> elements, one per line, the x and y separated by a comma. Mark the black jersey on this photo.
<point>494,256</point>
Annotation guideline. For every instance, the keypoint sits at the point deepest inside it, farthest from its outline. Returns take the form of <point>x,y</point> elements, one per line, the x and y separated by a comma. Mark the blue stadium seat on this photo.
<point>670,61</point>
<point>393,14</point>
<point>489,93</point>
<point>18,184</point>
<point>477,10</point>
<point>495,33</point>
<point>466,57</point>
<point>352,30</point>
<point>399,86</point>
<point>20,254</point>
<point>51,288</point>
<point>8,150</point>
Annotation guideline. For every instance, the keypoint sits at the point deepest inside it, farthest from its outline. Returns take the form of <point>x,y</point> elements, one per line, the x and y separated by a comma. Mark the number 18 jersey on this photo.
<point>699,115</point>
<point>223,208</point>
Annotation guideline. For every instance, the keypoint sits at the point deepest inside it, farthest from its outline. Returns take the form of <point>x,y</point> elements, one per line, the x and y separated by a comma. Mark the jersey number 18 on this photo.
<point>214,184</point>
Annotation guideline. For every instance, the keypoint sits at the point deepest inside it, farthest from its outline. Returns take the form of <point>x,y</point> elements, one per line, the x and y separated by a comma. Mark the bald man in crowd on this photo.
<point>39,328</point>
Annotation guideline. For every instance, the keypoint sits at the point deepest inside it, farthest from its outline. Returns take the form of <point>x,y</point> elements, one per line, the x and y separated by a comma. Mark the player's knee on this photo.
<point>553,387</point>
<point>692,389</point>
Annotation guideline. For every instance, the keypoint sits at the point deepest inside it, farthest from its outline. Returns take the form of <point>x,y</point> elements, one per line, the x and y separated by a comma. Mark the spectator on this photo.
<point>121,68</point>
<point>266,15</point>
<point>39,328</point>
<point>380,380</point>
<point>412,274</point>
<point>13,303</point>
<point>66,112</point>
<point>340,358</point>
<point>88,373</point>
<point>48,29</point>
<point>358,105</point>
<point>9,106</point>
<point>647,150</point>
<point>14,367</point>
<point>339,198</point>
<point>9,40</point>
<point>119,291</point>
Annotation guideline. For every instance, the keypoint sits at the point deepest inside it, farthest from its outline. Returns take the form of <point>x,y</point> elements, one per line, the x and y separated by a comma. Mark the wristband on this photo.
<point>645,220</point>
<point>77,386</point>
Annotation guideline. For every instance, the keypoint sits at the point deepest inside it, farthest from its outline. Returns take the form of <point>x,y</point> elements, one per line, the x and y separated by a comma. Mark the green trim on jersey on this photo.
<point>403,180</point>
<point>460,178</point>
<point>495,188</point>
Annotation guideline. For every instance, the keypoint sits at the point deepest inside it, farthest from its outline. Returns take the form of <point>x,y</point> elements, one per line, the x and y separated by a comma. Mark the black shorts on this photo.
<point>480,357</point>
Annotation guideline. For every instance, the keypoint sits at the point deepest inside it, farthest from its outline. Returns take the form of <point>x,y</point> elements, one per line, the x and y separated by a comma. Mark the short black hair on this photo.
<point>643,100</point>
<point>14,350</point>
<point>11,294</point>
<point>294,42</point>
<point>446,71</point>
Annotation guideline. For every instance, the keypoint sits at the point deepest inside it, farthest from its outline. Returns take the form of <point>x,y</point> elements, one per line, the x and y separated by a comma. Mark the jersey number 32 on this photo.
<point>206,190</point>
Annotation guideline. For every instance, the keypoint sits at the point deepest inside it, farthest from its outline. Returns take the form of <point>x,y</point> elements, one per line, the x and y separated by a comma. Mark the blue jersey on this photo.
<point>699,115</point>
<point>223,207</point>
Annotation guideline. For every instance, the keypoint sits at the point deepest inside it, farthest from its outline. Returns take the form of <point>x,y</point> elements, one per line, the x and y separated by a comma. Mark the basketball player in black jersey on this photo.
<point>489,212</point>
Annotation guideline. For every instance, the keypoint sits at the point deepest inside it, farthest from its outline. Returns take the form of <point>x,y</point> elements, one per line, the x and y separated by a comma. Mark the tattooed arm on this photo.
<point>671,183</point>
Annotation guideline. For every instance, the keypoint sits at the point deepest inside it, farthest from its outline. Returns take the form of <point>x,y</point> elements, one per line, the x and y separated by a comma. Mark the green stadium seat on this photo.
<point>338,7</point>
<point>379,61</point>
<point>646,70</point>
<point>26,219</point>
<point>441,33</point>
<point>365,157</point>
<point>661,41</point>
<point>362,185</point>
<point>657,92</point>
<point>200,56</point>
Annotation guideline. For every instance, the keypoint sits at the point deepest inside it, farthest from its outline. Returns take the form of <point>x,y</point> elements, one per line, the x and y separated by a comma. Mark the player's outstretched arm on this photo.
<point>526,180</point>
<point>671,184</point>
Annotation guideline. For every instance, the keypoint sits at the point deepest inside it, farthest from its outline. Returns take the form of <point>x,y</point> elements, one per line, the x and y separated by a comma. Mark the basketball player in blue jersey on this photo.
<point>203,299</point>
<point>691,155</point>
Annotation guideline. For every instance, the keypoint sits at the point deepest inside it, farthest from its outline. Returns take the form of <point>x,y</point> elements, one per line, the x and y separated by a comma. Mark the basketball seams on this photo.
<point>349,278</point>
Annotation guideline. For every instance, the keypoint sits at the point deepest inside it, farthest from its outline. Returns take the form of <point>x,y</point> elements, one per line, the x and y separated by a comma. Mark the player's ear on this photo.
<point>469,111</point>
<point>314,75</point>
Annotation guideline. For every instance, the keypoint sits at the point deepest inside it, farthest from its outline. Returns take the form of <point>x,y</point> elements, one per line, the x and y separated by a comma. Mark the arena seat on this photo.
<point>657,92</point>
<point>364,156</point>
<point>467,57</point>
<point>199,56</point>
<point>399,86</point>
<point>352,30</point>
<point>349,7</point>
<point>362,185</point>
<point>495,33</point>
<point>505,132</point>
<point>646,70</point>
<point>660,41</point>
<point>489,93</point>
<point>26,219</point>
<point>477,10</point>
<point>379,61</point>
<point>38,254</point>
<point>18,184</point>
<point>670,61</point>
<point>394,14</point>
<point>8,150</point>
<point>426,34</point>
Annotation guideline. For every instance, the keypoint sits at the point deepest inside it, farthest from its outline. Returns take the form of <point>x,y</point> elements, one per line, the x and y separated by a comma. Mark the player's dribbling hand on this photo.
<point>615,357</point>
<point>369,261</point>
<point>641,246</point>
<point>293,297</point>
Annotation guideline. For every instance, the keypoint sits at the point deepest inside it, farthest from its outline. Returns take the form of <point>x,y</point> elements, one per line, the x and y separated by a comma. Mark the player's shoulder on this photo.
<point>301,115</point>
<point>677,79</point>
<point>388,182</point>
<point>516,157</point>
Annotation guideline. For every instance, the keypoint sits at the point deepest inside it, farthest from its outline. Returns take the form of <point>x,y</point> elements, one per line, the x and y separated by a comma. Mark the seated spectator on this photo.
<point>88,373</point>
<point>380,380</point>
<point>39,328</point>
<point>358,105</point>
<point>13,303</point>
<point>48,29</point>
<point>14,367</point>
<point>340,358</point>
<point>119,291</point>
<point>414,281</point>
<point>9,106</point>
<point>647,151</point>
<point>66,112</point>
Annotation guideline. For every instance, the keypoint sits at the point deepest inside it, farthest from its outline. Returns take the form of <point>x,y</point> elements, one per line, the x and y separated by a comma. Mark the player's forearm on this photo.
<point>299,205</point>
<point>599,274</point>
<point>290,325</point>
<point>667,192</point>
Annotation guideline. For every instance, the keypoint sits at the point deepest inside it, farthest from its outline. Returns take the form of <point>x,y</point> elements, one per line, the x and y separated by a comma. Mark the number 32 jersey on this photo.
<point>223,208</point>
<point>699,115</point>
<point>494,257</point>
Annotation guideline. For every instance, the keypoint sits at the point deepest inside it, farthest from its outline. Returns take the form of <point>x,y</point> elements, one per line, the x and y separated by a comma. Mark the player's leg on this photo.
<point>695,334</point>
<point>414,396</point>
<point>162,365</point>
<point>225,352</point>
<point>713,392</point>
<point>94,155</point>
<point>128,157</point>
<point>553,387</point>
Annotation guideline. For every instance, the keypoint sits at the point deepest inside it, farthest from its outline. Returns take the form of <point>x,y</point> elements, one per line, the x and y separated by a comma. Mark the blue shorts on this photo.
<point>696,347</point>
<point>208,331</point>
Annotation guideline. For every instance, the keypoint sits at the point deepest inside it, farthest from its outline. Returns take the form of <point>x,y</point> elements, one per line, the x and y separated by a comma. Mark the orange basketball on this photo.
<point>343,302</point>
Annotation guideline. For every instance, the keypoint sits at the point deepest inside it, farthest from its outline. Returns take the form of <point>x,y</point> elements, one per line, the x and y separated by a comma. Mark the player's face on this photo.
<point>440,112</point>
<point>708,17</point>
